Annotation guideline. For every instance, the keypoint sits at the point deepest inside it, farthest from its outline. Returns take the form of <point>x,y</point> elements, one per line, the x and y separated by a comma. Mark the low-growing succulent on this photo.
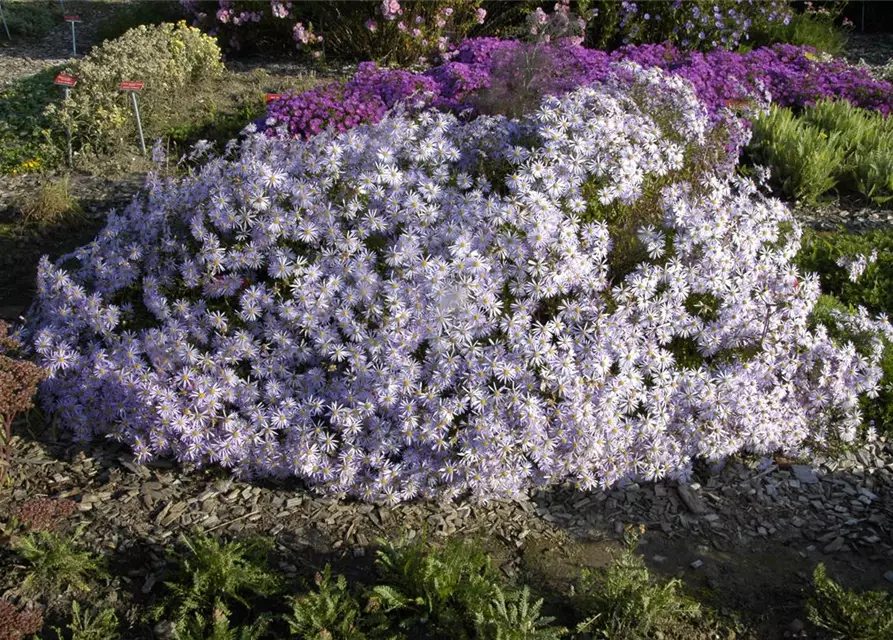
<point>18,384</point>
<point>17,623</point>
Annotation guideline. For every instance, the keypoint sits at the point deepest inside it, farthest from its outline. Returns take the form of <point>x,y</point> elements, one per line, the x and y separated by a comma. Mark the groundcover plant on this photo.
<point>506,72</point>
<point>428,307</point>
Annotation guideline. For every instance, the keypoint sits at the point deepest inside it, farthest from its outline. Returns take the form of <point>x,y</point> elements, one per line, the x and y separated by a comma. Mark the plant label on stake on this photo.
<point>272,96</point>
<point>67,82</point>
<point>5,25</point>
<point>133,87</point>
<point>72,20</point>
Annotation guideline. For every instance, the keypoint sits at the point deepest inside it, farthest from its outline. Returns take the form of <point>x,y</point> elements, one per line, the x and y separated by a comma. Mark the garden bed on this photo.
<point>744,538</point>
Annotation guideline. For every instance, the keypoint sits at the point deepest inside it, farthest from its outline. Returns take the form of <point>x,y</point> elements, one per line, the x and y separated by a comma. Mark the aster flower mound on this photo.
<point>426,307</point>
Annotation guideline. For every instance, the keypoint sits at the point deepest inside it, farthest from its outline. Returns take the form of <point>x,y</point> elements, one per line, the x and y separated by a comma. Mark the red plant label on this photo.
<point>65,80</point>
<point>273,96</point>
<point>136,85</point>
<point>72,18</point>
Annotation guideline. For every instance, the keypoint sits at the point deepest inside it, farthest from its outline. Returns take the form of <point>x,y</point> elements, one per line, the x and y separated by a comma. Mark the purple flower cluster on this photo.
<point>365,98</point>
<point>792,76</point>
<point>425,307</point>
<point>698,23</point>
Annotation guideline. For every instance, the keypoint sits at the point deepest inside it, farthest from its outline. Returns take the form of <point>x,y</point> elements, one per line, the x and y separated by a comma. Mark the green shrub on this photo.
<point>847,615</point>
<point>167,58</point>
<point>831,145</point>
<point>90,625</point>
<point>220,628</point>
<point>815,28</point>
<point>330,612</point>
<point>55,562</point>
<point>873,171</point>
<point>210,578</point>
<point>513,617</point>
<point>125,16</point>
<point>30,18</point>
<point>26,132</point>
<point>866,138</point>
<point>435,591</point>
<point>805,161</point>
<point>623,602</point>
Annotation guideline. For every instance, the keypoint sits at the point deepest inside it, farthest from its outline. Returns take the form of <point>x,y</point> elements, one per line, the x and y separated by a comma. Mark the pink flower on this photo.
<point>390,9</point>
<point>301,34</point>
<point>480,15</point>
<point>416,33</point>
<point>370,24</point>
<point>279,10</point>
<point>223,15</point>
<point>401,26</point>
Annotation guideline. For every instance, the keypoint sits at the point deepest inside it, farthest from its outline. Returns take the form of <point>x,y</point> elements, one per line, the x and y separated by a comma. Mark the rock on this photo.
<point>796,626</point>
<point>804,474</point>
<point>691,500</point>
<point>697,564</point>
<point>889,576</point>
<point>867,493</point>
<point>835,545</point>
<point>165,630</point>
<point>662,559</point>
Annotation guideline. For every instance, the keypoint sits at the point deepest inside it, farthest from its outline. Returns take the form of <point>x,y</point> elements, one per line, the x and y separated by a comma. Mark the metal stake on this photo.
<point>5,26</point>
<point>62,4</point>
<point>74,48</point>
<point>139,125</point>
<point>67,90</point>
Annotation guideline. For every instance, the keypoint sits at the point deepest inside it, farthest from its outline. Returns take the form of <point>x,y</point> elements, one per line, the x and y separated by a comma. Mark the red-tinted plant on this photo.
<point>16,624</point>
<point>42,514</point>
<point>18,383</point>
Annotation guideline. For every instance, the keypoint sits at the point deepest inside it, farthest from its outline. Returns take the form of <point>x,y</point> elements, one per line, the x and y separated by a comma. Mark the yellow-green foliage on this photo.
<point>850,615</point>
<point>831,145</point>
<point>56,563</point>
<point>867,140</point>
<point>805,161</point>
<point>166,57</point>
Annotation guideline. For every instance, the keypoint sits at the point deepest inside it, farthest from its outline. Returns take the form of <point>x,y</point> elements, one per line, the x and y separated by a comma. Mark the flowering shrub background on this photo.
<point>427,307</point>
<point>391,31</point>
<point>403,31</point>
<point>509,76</point>
<point>689,24</point>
